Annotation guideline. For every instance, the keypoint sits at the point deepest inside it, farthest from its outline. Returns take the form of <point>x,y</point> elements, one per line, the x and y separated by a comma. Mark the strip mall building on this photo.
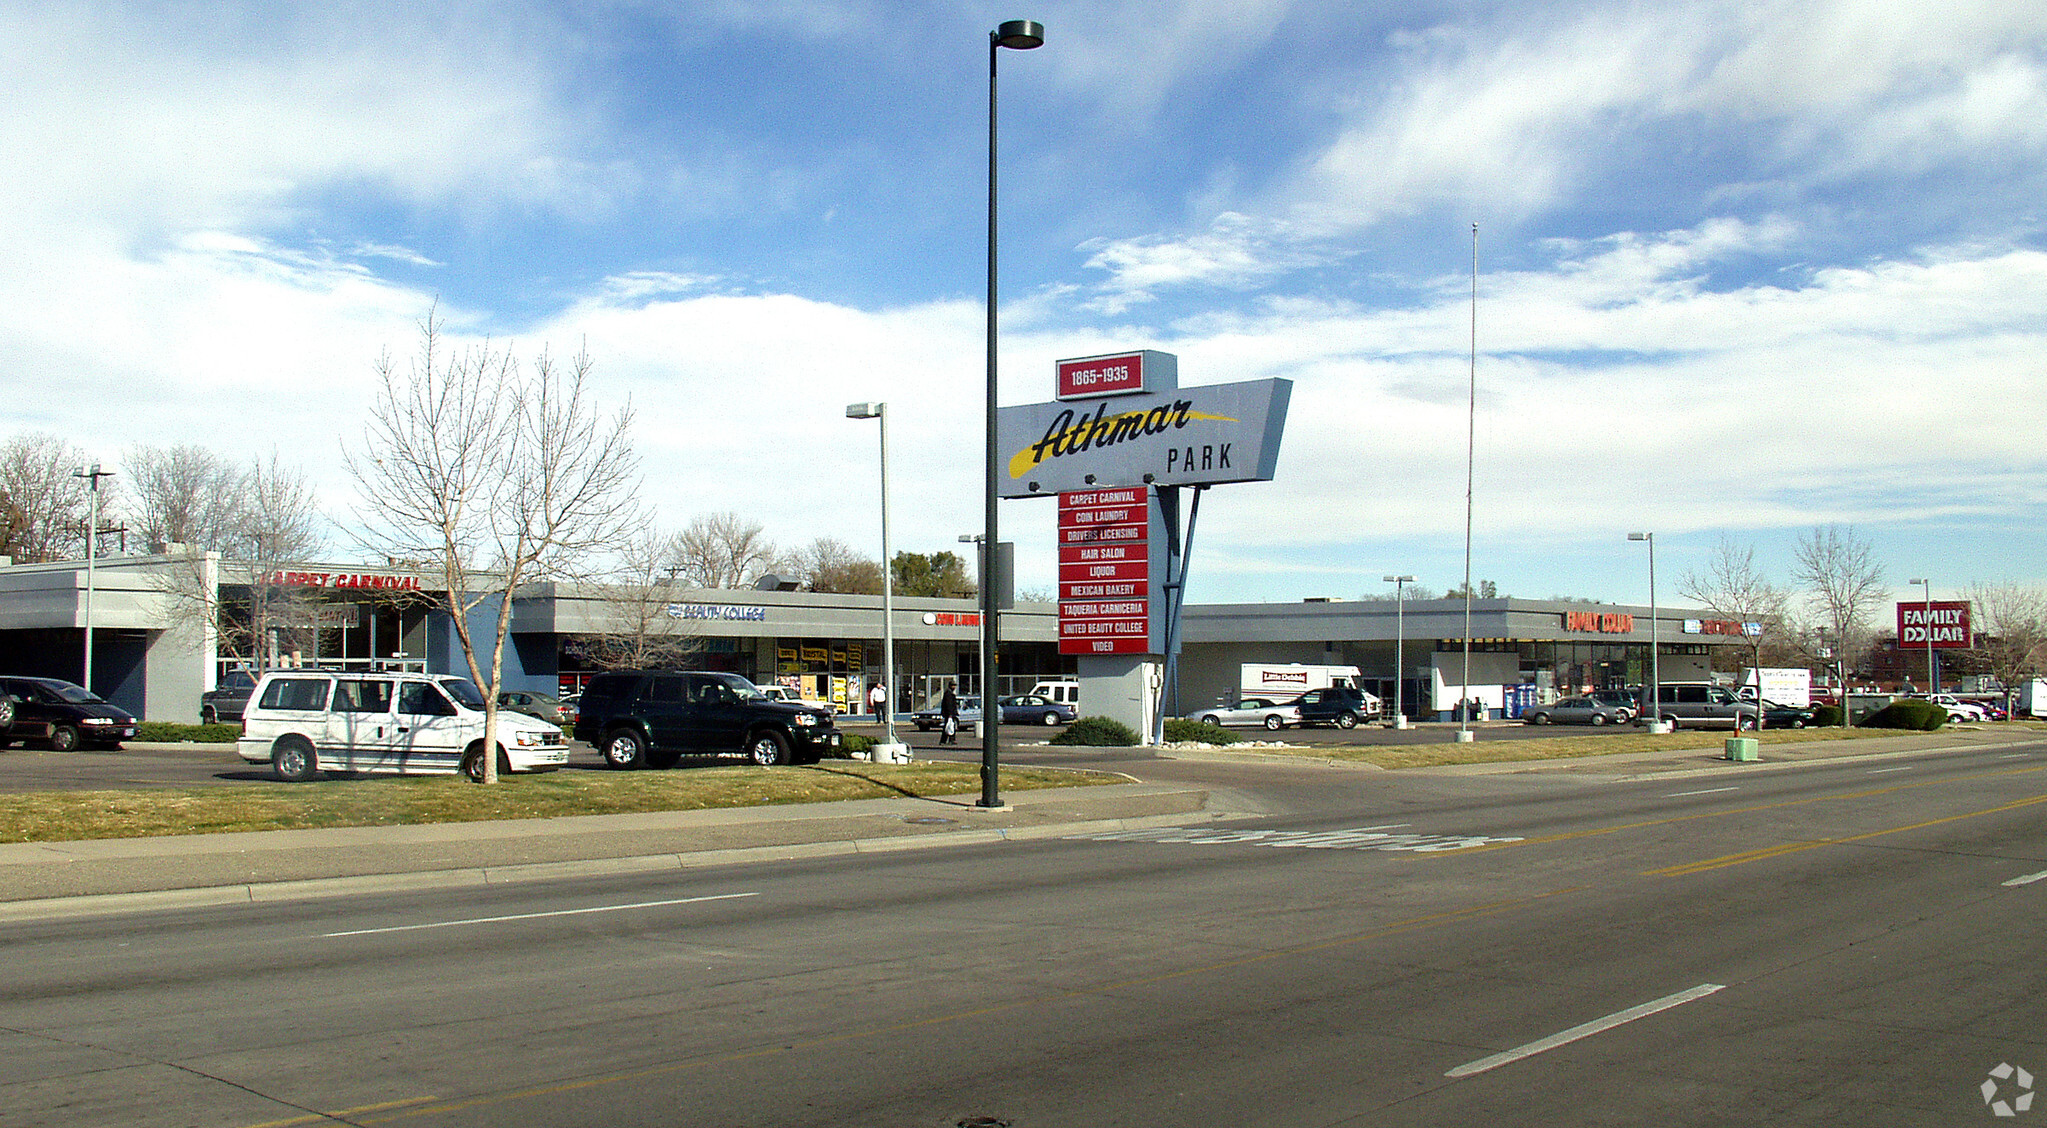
<point>154,654</point>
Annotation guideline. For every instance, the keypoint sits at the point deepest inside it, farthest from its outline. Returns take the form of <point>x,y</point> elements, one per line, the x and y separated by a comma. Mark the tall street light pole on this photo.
<point>1399,644</point>
<point>1655,701</point>
<point>888,587</point>
<point>1017,35</point>
<point>1932,682</point>
<point>91,474</point>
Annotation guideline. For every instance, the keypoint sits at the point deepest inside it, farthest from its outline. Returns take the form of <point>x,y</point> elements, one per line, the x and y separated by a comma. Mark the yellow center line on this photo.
<point>1411,924</point>
<point>1793,847</point>
<point>342,1113</point>
<point>1673,820</point>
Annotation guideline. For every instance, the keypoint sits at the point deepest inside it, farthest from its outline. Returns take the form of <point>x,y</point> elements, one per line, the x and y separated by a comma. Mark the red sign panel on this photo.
<point>1939,625</point>
<point>1105,572</point>
<point>1101,376</point>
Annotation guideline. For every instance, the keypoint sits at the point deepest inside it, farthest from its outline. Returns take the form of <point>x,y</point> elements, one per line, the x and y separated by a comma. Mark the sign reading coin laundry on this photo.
<point>1178,437</point>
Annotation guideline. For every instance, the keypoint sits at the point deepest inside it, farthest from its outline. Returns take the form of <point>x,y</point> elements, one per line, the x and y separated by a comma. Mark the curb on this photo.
<point>471,877</point>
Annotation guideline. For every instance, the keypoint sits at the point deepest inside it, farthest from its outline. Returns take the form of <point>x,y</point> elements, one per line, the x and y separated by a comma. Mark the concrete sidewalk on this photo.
<point>49,879</point>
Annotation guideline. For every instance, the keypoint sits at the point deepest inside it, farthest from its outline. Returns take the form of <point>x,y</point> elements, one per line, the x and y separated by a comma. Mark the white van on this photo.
<point>302,722</point>
<point>1063,690</point>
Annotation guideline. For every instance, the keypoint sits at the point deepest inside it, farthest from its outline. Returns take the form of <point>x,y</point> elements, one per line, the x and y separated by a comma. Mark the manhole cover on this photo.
<point>981,1121</point>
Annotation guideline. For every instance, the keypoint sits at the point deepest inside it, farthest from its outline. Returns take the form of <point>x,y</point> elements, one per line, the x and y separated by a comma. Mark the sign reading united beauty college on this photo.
<point>1174,437</point>
<point>1941,625</point>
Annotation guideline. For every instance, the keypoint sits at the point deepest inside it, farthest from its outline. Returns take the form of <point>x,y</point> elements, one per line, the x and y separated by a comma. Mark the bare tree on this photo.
<point>640,603</point>
<point>1843,582</point>
<point>830,565</point>
<point>1733,587</point>
<point>43,503</point>
<point>724,550</point>
<point>183,495</point>
<point>2010,625</point>
<point>497,475</point>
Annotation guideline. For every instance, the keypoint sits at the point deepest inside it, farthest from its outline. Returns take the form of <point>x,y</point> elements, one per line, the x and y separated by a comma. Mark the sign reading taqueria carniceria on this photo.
<point>1179,437</point>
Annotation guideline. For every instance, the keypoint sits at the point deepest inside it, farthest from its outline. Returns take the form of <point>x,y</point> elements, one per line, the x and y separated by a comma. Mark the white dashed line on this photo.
<point>537,916</point>
<point>1708,791</point>
<point>1586,1030</point>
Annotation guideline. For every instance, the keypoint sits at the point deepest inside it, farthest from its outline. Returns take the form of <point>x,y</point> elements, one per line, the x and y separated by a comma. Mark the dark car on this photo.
<point>1336,705</point>
<point>68,716</point>
<point>224,703</point>
<point>1033,709</point>
<point>1576,711</point>
<point>651,718</point>
<point>1785,716</point>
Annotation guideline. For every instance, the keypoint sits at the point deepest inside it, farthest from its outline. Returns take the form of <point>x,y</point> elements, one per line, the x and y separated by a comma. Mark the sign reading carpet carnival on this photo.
<point>1121,427</point>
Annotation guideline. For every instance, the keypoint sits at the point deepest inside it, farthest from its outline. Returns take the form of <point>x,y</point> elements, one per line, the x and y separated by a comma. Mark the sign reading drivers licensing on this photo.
<point>1105,572</point>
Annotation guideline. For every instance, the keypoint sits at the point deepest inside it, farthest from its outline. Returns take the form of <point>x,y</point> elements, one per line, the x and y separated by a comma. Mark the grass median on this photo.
<point>55,816</point>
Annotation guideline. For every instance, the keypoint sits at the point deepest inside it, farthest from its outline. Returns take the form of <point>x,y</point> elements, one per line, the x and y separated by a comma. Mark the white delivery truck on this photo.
<point>1784,686</point>
<point>2032,700</point>
<point>1282,682</point>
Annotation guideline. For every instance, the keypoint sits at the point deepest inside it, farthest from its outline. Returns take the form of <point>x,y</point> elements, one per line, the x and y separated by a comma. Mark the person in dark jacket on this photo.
<point>949,717</point>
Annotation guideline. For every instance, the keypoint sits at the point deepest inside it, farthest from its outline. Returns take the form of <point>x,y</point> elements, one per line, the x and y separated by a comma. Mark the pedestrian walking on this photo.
<point>949,717</point>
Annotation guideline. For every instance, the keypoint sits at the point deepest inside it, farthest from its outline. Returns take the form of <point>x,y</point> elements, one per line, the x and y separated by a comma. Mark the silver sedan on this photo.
<point>1249,711</point>
<point>1576,711</point>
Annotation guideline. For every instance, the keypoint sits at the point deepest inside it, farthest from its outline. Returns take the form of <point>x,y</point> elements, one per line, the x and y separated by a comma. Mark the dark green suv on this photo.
<point>652,718</point>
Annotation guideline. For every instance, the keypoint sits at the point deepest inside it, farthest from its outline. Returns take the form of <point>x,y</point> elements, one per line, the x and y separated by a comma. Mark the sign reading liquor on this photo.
<point>1941,625</point>
<point>1179,437</point>
<point>1120,375</point>
<point>1105,580</point>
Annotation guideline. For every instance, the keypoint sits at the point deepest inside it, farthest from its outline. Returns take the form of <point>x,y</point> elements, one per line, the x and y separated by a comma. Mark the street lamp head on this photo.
<point>1018,35</point>
<point>1398,579</point>
<point>1641,536</point>
<point>865,410</point>
<point>1918,581</point>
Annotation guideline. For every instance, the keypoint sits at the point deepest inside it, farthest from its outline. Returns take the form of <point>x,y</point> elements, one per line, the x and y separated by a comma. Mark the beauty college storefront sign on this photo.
<point>1105,572</point>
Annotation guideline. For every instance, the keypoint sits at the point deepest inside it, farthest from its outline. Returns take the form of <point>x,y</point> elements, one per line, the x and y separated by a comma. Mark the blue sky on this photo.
<point>1744,268</point>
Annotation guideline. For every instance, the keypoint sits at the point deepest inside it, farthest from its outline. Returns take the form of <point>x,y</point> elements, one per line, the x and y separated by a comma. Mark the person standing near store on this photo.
<point>949,717</point>
<point>877,699</point>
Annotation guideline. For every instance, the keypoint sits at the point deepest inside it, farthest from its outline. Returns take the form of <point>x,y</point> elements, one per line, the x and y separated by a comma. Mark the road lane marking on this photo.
<point>341,1114</point>
<point>2028,879</point>
<point>1352,838</point>
<point>1886,771</point>
<point>977,1014</point>
<point>1586,1030</point>
<point>537,916</point>
<point>1708,791</point>
<point>1687,868</point>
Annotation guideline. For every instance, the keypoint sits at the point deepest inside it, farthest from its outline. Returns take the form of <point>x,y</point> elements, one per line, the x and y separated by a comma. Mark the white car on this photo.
<point>1958,710</point>
<point>1250,711</point>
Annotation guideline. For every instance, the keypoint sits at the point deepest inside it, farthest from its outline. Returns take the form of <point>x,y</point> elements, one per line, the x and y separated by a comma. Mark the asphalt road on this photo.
<point>1855,942</point>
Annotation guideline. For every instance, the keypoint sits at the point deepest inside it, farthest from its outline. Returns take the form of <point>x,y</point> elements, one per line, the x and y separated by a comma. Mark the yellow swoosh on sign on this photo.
<point>1023,461</point>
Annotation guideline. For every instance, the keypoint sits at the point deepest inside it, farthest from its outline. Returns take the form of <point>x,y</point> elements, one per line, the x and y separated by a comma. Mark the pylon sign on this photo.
<point>1106,600</point>
<point>1161,435</point>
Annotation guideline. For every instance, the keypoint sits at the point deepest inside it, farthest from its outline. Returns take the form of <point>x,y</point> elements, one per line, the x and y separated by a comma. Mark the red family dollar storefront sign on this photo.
<point>1105,579</point>
<point>1940,625</point>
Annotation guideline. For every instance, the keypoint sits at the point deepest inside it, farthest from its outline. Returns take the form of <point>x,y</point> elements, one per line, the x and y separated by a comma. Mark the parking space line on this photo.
<point>1585,1030</point>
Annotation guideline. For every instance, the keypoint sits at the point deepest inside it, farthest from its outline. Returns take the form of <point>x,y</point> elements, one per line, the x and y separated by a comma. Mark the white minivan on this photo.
<point>303,722</point>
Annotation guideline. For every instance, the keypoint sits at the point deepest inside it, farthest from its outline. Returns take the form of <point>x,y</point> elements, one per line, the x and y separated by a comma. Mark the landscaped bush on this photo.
<point>1196,732</point>
<point>853,746</point>
<point>1096,732</point>
<point>1915,716</point>
<point>171,732</point>
<point>1826,716</point>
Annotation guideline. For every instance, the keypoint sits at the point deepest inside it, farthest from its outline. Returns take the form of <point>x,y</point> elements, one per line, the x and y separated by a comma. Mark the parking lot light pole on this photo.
<point>888,606</point>
<point>1655,701</point>
<point>91,474</point>
<point>1399,644</point>
<point>1932,681</point>
<point>1017,35</point>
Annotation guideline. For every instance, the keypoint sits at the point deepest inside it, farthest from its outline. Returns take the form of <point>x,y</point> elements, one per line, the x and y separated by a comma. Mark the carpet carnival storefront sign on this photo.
<point>1114,448</point>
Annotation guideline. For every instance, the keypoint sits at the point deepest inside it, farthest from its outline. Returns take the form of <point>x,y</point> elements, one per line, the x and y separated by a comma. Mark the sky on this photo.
<point>1726,272</point>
